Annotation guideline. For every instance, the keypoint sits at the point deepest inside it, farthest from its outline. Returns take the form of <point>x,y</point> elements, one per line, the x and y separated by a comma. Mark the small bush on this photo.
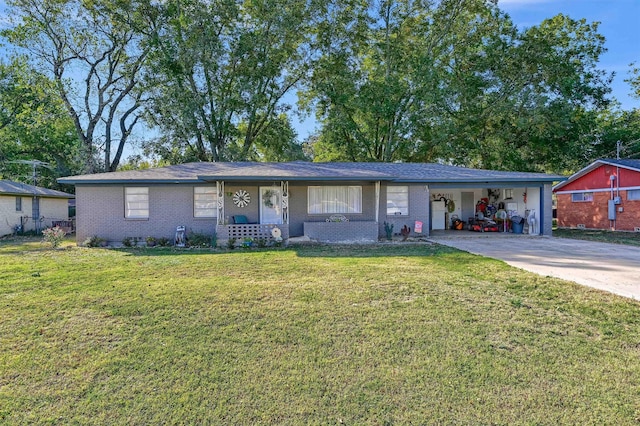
<point>231,243</point>
<point>127,242</point>
<point>53,236</point>
<point>200,240</point>
<point>151,241</point>
<point>163,242</point>
<point>94,241</point>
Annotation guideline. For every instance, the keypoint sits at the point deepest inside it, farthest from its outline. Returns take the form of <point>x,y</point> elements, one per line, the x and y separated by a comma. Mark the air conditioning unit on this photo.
<point>581,226</point>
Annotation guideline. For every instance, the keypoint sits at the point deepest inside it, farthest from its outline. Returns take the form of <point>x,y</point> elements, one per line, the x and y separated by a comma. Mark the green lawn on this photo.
<point>388,334</point>
<point>616,237</point>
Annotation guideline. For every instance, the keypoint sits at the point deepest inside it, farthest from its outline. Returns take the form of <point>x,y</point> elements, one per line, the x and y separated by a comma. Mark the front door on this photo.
<point>270,205</point>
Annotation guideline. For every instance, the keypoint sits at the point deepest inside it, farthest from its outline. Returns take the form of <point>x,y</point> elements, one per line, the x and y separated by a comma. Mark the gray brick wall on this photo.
<point>100,212</point>
<point>418,211</point>
<point>335,232</point>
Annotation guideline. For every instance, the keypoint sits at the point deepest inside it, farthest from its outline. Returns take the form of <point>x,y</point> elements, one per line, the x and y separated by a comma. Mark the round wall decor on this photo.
<point>241,198</point>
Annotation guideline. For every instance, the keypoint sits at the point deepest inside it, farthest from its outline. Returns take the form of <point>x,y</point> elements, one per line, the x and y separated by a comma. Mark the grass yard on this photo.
<point>602,236</point>
<point>387,334</point>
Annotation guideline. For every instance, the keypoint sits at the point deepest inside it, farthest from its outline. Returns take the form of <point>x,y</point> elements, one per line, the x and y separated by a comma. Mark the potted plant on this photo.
<point>388,230</point>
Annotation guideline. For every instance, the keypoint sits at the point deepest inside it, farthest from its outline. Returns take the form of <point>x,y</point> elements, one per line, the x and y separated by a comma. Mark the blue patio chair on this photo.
<point>240,219</point>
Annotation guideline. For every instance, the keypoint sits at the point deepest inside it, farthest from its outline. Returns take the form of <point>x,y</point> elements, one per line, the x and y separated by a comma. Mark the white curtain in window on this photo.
<point>205,201</point>
<point>335,199</point>
<point>355,199</point>
<point>136,203</point>
<point>315,200</point>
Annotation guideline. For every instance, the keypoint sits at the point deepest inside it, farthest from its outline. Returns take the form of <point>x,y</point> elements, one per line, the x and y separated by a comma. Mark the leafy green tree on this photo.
<point>95,52</point>
<point>634,80</point>
<point>534,104</point>
<point>222,71</point>
<point>455,81</point>
<point>34,125</point>
<point>378,83</point>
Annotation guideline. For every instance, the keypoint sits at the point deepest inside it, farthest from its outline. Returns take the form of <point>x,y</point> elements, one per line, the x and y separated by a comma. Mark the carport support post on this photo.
<point>427,225</point>
<point>546,213</point>
<point>378,202</point>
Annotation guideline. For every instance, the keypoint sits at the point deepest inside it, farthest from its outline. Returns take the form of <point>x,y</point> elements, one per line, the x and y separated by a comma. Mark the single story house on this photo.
<point>603,195</point>
<point>26,207</point>
<point>329,202</point>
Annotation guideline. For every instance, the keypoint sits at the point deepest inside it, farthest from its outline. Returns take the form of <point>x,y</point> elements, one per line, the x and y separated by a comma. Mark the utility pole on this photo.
<point>618,146</point>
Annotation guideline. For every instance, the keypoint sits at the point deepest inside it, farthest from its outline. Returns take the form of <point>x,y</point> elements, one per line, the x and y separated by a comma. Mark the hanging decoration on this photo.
<point>268,198</point>
<point>241,198</point>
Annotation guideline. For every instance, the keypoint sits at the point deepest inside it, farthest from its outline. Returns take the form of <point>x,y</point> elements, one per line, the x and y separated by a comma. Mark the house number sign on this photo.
<point>241,198</point>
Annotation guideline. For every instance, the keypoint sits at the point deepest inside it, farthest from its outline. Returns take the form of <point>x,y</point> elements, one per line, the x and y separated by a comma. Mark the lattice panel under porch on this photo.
<point>252,231</point>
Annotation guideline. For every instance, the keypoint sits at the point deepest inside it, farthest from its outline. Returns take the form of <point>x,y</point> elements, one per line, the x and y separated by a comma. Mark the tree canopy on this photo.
<point>34,125</point>
<point>452,81</point>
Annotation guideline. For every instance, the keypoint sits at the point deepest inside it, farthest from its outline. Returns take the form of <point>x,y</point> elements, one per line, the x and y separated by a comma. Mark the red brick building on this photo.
<point>603,195</point>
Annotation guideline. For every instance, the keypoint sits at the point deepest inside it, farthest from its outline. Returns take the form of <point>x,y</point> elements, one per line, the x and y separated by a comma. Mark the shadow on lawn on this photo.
<point>372,250</point>
<point>386,250</point>
<point>307,250</point>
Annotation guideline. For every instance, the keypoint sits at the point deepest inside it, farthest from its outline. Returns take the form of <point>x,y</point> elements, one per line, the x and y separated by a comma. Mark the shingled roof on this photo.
<point>8,187</point>
<point>625,163</point>
<point>308,171</point>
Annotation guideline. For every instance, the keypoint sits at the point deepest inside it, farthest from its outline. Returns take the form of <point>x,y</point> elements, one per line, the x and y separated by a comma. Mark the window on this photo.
<point>633,194</point>
<point>397,200</point>
<point>335,199</point>
<point>508,194</point>
<point>205,201</point>
<point>18,204</point>
<point>136,203</point>
<point>581,196</point>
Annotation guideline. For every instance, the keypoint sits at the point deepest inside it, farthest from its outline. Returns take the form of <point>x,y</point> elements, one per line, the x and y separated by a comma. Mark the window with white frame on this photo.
<point>136,203</point>
<point>205,201</point>
<point>18,204</point>
<point>578,197</point>
<point>397,200</point>
<point>633,194</point>
<point>334,199</point>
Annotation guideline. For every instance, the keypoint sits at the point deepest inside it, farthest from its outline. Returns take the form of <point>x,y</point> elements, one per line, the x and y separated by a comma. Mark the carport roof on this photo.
<point>308,171</point>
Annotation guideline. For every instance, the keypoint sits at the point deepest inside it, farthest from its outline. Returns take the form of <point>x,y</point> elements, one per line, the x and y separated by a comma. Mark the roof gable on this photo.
<point>597,175</point>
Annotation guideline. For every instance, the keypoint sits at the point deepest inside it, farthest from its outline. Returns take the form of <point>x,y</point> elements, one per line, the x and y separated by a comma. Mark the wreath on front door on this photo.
<point>267,198</point>
<point>241,198</point>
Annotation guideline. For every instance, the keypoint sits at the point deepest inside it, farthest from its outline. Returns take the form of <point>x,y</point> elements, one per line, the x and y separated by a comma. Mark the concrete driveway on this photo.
<point>610,267</point>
